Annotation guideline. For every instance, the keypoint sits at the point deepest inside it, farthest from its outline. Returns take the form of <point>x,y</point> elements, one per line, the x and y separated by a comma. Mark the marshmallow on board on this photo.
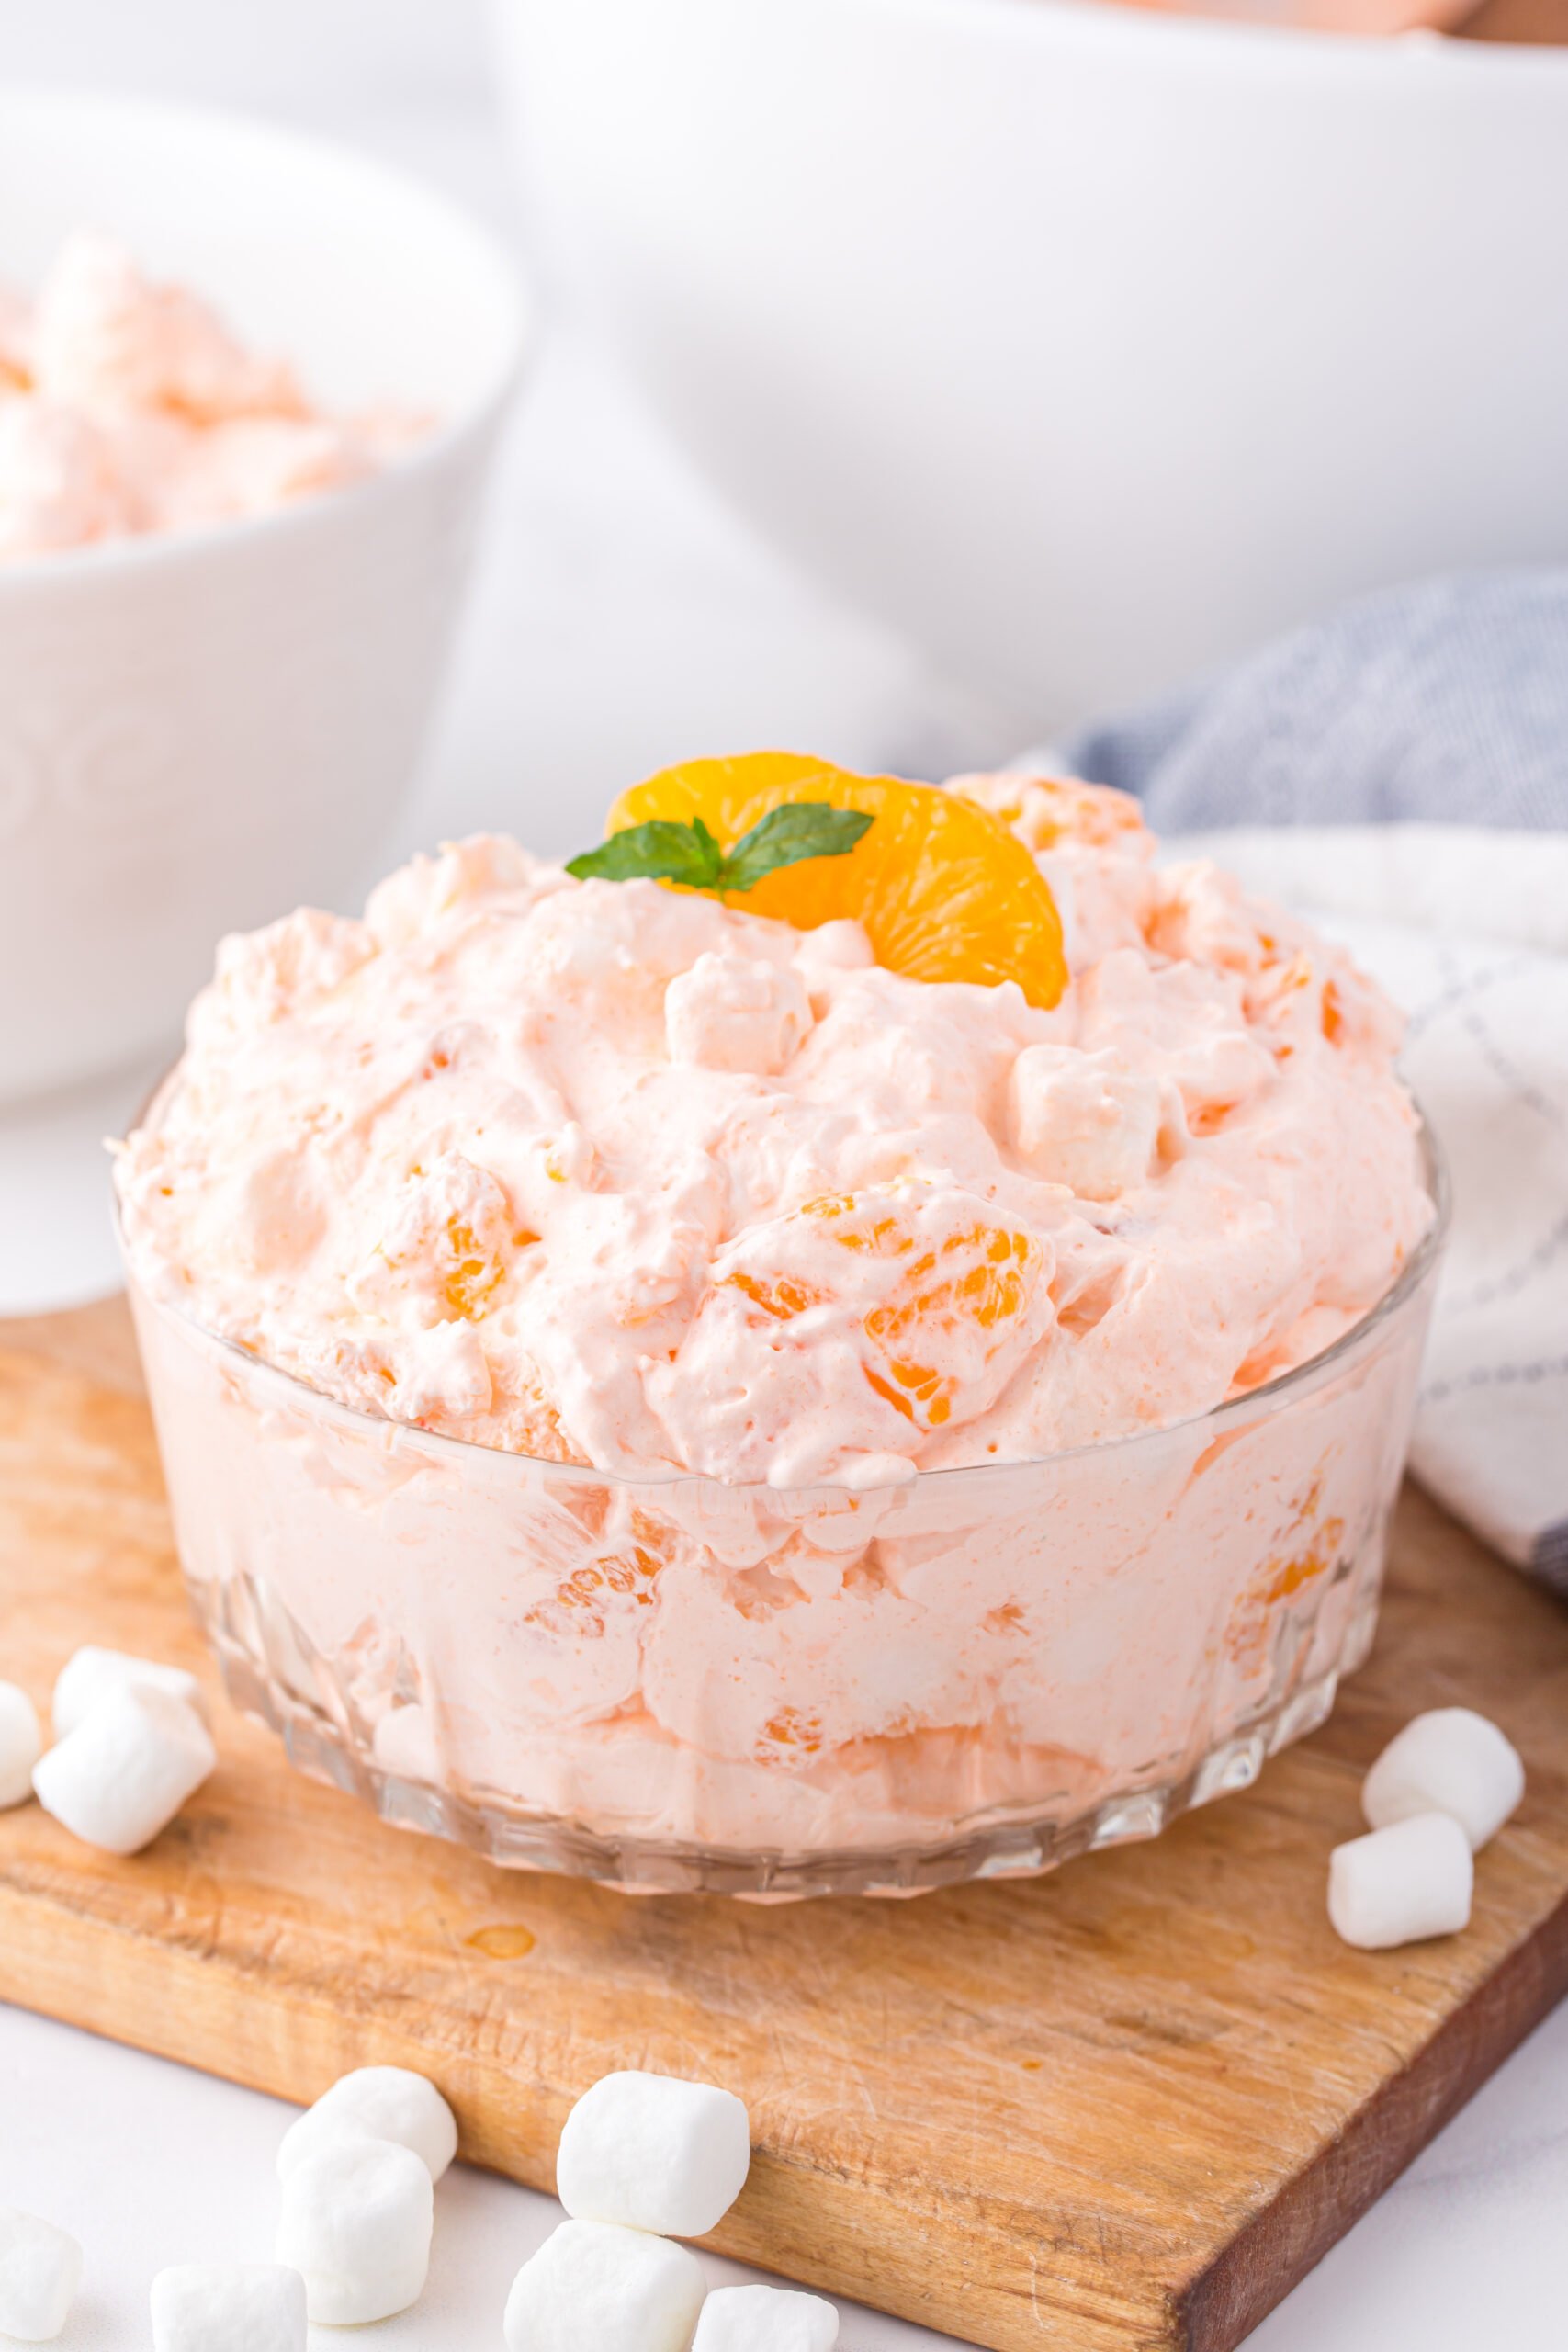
<point>21,1744</point>
<point>376,2103</point>
<point>1449,1761</point>
<point>124,1772</point>
<point>1401,1885</point>
<point>356,2222</point>
<point>40,2269</point>
<point>654,2152</point>
<point>91,1675</point>
<point>765,2319</point>
<point>593,2283</point>
<point>229,2307</point>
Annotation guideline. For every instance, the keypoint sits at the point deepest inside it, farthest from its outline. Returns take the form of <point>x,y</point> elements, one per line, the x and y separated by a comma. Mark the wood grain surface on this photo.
<point>1543,23</point>
<point>1125,2107</point>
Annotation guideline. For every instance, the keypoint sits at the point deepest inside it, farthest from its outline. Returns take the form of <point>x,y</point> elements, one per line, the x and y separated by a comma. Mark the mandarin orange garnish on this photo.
<point>943,889</point>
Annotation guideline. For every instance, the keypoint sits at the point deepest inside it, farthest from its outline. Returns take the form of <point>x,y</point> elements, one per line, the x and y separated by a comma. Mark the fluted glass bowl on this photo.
<point>669,1683</point>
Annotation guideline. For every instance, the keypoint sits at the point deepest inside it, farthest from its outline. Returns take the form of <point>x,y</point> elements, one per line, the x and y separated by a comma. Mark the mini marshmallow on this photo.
<point>736,1012</point>
<point>765,2319</point>
<point>1449,1760</point>
<point>126,1770</point>
<point>376,2103</point>
<point>1079,1120</point>
<point>229,2307</point>
<point>94,1674</point>
<point>654,2152</point>
<point>21,1744</point>
<point>40,2269</point>
<point>356,2224</point>
<point>1400,1885</point>
<point>591,2284</point>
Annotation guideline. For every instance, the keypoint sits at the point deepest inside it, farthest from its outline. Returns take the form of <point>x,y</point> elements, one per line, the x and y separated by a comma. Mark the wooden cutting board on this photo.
<point>1125,2107</point>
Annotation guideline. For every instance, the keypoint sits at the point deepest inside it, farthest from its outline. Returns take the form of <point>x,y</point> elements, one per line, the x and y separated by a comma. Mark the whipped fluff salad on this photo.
<point>627,1176</point>
<point>128,408</point>
<point>757,1232</point>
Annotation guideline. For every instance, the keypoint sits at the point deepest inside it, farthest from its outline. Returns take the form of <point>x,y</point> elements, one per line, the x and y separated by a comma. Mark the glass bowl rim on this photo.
<point>1272,1395</point>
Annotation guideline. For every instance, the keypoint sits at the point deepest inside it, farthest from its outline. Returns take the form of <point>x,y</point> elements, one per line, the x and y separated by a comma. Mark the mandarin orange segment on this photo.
<point>934,1306</point>
<point>943,890</point>
<point>471,1276</point>
<point>981,1274</point>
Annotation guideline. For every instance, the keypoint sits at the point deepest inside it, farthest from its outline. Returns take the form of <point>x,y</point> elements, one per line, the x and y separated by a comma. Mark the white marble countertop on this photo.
<point>621,619</point>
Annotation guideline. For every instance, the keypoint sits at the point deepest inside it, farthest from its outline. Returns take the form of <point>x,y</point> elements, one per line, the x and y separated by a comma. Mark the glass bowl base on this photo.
<point>1016,1846</point>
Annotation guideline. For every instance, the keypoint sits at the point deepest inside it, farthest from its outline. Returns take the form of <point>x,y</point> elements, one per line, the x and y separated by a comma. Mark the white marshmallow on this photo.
<point>593,2285</point>
<point>736,1012</point>
<point>1079,1120</point>
<point>21,1744</point>
<point>765,2319</point>
<point>1449,1760</point>
<point>654,2152</point>
<point>376,2103</point>
<point>126,1770</point>
<point>229,2307</point>
<point>356,2224</point>
<point>40,2269</point>
<point>1400,1885</point>
<point>93,1674</point>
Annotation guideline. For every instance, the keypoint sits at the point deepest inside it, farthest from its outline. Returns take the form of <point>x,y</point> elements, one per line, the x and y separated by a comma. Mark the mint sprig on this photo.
<point>665,850</point>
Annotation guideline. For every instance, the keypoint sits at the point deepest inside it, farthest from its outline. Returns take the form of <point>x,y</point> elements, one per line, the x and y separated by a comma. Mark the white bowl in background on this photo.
<point>1088,346</point>
<point>198,731</point>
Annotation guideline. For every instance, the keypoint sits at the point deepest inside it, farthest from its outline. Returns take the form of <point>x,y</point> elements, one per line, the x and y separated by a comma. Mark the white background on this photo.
<point>621,620</point>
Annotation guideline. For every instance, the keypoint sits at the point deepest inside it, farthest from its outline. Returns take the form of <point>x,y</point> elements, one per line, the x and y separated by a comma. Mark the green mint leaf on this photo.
<point>787,835</point>
<point>660,851</point>
<point>667,851</point>
<point>710,847</point>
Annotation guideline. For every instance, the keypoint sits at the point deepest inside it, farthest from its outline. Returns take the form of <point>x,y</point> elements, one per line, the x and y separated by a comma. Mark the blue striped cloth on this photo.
<point>1446,702</point>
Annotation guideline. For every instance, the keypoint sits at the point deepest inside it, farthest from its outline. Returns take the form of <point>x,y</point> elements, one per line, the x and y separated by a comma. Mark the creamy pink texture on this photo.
<point>617,1175</point>
<point>620,1176</point>
<point>126,407</point>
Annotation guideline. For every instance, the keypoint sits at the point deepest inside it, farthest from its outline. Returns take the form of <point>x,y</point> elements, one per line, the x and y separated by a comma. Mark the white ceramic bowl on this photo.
<point>1088,345</point>
<point>198,731</point>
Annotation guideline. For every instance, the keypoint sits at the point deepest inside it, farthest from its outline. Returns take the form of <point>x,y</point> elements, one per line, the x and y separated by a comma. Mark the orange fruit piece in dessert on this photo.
<point>471,1275</point>
<point>943,890</point>
<point>937,1294</point>
<point>981,1275</point>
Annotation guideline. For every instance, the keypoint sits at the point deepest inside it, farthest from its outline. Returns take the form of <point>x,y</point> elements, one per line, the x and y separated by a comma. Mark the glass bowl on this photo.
<point>672,1684</point>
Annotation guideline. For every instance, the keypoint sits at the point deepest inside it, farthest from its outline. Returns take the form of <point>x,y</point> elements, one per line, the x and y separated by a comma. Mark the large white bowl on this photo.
<point>1089,346</point>
<point>198,731</point>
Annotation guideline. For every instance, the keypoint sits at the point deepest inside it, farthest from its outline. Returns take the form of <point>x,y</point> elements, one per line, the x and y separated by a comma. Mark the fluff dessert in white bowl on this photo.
<point>245,424</point>
<point>879,1369</point>
<point>128,409</point>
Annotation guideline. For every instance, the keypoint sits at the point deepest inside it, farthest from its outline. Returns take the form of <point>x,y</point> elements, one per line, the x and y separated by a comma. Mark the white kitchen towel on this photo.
<point>1399,774</point>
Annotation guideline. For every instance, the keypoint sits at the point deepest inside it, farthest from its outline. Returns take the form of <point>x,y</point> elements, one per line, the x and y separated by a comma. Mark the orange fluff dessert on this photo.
<point>128,408</point>
<point>926,1298</point>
